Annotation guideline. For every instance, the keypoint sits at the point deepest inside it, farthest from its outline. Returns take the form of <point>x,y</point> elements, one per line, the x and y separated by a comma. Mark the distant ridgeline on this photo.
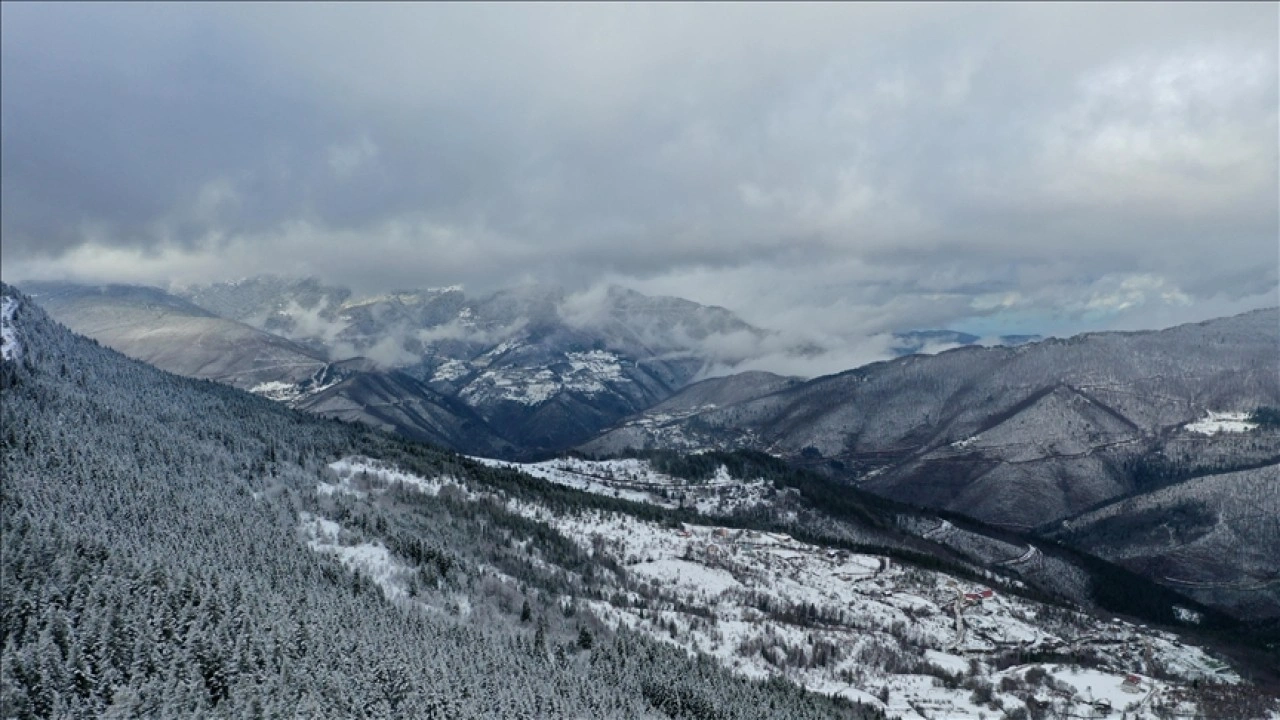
<point>153,567</point>
<point>180,548</point>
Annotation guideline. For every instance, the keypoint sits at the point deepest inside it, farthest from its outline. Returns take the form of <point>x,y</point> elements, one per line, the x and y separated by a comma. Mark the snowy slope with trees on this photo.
<point>177,548</point>
<point>910,642</point>
<point>154,566</point>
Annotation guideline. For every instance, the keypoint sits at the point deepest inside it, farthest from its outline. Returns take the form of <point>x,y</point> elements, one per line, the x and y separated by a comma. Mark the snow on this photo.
<point>1187,616</point>
<point>524,386</point>
<point>1094,685</point>
<point>358,476</point>
<point>738,566</point>
<point>740,596</point>
<point>450,370</point>
<point>588,373</point>
<point>947,661</point>
<point>596,365</point>
<point>10,348</point>
<point>370,559</point>
<point>846,691</point>
<point>636,480</point>
<point>288,393</point>
<point>278,391</point>
<point>688,576</point>
<point>496,352</point>
<point>1221,422</point>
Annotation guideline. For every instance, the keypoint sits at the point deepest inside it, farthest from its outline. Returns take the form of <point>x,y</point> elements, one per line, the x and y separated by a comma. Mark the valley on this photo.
<point>774,568</point>
<point>639,361</point>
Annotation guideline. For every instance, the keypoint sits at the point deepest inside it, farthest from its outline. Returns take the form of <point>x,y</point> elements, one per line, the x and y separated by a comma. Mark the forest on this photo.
<point>160,559</point>
<point>152,568</point>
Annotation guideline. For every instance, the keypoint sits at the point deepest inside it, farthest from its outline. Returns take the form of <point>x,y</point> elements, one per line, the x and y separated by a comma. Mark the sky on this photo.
<point>836,170</point>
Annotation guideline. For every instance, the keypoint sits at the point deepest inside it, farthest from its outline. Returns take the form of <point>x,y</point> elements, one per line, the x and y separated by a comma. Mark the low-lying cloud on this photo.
<point>829,171</point>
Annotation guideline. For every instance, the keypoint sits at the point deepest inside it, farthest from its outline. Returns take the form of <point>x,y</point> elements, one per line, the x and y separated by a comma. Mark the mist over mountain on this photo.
<point>528,369</point>
<point>545,369</point>
<point>666,361</point>
<point>1023,436</point>
<point>1031,436</point>
<point>1042,402</point>
<point>215,553</point>
<point>166,331</point>
<point>183,508</point>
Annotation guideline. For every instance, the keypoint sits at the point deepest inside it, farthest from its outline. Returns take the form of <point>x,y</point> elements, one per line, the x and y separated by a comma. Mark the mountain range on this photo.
<point>521,371</point>
<point>1021,435</point>
<point>177,548</point>
<point>1133,446</point>
<point>1071,440</point>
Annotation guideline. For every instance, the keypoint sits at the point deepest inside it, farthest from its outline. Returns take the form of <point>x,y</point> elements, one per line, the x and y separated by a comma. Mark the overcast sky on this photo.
<point>843,168</point>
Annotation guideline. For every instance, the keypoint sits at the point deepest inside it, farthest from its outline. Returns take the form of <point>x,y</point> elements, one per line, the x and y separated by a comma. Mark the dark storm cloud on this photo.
<point>846,169</point>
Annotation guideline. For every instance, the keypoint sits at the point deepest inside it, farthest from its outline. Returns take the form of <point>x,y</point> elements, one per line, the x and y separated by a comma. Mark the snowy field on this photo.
<point>919,644</point>
<point>1221,422</point>
<point>636,480</point>
<point>290,393</point>
<point>588,373</point>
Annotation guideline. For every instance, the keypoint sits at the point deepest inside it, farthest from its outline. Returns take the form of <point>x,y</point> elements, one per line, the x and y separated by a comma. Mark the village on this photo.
<point>917,643</point>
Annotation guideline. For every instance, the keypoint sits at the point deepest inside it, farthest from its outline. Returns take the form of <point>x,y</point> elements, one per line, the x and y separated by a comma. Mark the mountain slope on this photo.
<point>544,369</point>
<point>394,401</point>
<point>547,370</point>
<point>668,424</point>
<point>177,336</point>
<point>1018,435</point>
<point>171,333</point>
<point>917,341</point>
<point>1023,437</point>
<point>166,555</point>
<point>175,548</point>
<point>1214,538</point>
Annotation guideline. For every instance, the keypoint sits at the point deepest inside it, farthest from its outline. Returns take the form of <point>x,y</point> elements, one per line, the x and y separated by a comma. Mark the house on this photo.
<point>1131,684</point>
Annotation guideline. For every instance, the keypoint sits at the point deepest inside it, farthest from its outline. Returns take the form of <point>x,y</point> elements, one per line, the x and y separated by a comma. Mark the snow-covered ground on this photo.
<point>451,370</point>
<point>359,476</point>
<point>279,391</point>
<point>10,348</point>
<point>289,393</point>
<point>588,373</point>
<point>370,559</point>
<point>636,480</point>
<point>394,577</point>
<point>597,364</point>
<point>920,644</point>
<point>1221,422</point>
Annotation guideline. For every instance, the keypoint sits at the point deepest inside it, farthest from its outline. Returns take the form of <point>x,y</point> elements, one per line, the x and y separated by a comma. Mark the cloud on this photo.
<point>838,171</point>
<point>804,348</point>
<point>346,159</point>
<point>388,352</point>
